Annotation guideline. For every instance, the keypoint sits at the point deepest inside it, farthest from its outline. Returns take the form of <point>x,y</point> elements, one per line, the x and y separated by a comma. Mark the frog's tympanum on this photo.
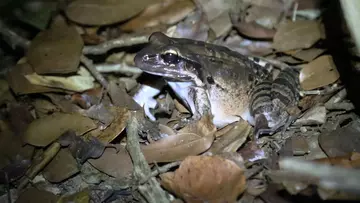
<point>213,79</point>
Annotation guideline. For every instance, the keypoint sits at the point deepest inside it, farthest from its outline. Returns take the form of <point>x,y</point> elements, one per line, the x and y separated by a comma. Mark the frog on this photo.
<point>212,79</point>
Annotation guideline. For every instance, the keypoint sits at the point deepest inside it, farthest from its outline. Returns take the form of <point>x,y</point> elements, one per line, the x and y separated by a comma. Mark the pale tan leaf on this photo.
<point>44,131</point>
<point>77,83</point>
<point>206,179</point>
<point>95,12</point>
<point>176,147</point>
<point>20,85</point>
<point>318,73</point>
<point>297,35</point>
<point>56,50</point>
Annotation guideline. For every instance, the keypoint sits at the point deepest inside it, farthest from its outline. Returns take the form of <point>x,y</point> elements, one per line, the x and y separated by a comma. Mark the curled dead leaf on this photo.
<point>206,179</point>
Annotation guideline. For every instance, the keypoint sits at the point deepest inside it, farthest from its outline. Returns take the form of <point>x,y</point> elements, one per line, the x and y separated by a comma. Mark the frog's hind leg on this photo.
<point>260,106</point>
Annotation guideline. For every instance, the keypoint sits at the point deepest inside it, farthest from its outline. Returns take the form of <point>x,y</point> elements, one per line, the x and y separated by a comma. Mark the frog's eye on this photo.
<point>170,56</point>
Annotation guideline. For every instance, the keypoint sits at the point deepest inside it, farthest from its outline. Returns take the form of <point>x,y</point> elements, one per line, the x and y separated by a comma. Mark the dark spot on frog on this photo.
<point>210,80</point>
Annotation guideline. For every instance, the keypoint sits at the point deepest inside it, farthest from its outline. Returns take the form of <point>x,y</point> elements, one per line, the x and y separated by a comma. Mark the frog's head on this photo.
<point>164,56</point>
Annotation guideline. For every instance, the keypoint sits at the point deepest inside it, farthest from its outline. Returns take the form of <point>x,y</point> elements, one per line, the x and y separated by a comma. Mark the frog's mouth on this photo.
<point>152,65</point>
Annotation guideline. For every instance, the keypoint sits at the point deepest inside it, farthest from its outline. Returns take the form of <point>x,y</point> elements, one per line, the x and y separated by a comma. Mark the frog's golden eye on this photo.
<point>170,56</point>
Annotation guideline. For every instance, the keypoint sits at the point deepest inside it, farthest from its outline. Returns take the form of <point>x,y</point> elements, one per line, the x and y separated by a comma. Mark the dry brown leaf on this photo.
<point>176,147</point>
<point>94,12</point>
<point>308,54</point>
<point>121,168</point>
<point>233,139</point>
<point>297,35</point>
<point>120,97</point>
<point>20,85</point>
<point>254,30</point>
<point>206,179</point>
<point>44,107</point>
<point>44,131</point>
<point>217,13</point>
<point>318,73</point>
<point>64,104</point>
<point>117,126</point>
<point>35,195</point>
<point>165,12</point>
<point>56,50</point>
<point>61,167</point>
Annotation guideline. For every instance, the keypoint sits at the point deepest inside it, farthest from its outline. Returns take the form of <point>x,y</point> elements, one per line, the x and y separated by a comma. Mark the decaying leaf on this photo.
<point>318,73</point>
<point>296,35</point>
<point>20,85</point>
<point>99,112</point>
<point>56,50</point>
<point>121,116</point>
<point>94,12</point>
<point>43,131</point>
<point>61,167</point>
<point>121,168</point>
<point>78,83</point>
<point>206,179</point>
<point>166,12</point>
<point>82,148</point>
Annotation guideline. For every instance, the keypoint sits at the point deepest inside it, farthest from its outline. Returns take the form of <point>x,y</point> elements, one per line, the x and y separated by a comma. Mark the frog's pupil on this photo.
<point>170,58</point>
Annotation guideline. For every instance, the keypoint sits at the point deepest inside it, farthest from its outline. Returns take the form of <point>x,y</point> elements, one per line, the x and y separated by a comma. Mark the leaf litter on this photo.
<point>73,106</point>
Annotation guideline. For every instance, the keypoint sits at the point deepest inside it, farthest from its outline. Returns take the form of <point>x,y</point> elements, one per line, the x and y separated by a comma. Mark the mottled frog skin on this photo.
<point>213,79</point>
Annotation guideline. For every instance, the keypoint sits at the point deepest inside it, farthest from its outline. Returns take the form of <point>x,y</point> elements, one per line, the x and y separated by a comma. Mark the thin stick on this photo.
<point>122,41</point>
<point>90,66</point>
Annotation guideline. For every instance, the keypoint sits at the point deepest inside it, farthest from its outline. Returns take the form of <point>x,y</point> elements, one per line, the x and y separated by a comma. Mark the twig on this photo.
<point>38,165</point>
<point>12,38</point>
<point>160,170</point>
<point>123,41</point>
<point>122,68</point>
<point>327,176</point>
<point>90,66</point>
<point>151,190</point>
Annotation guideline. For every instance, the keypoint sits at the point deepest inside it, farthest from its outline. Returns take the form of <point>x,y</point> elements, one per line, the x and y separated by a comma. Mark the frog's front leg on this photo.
<point>199,104</point>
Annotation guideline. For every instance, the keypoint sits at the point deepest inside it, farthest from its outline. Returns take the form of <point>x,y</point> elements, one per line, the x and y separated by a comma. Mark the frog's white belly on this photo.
<point>224,107</point>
